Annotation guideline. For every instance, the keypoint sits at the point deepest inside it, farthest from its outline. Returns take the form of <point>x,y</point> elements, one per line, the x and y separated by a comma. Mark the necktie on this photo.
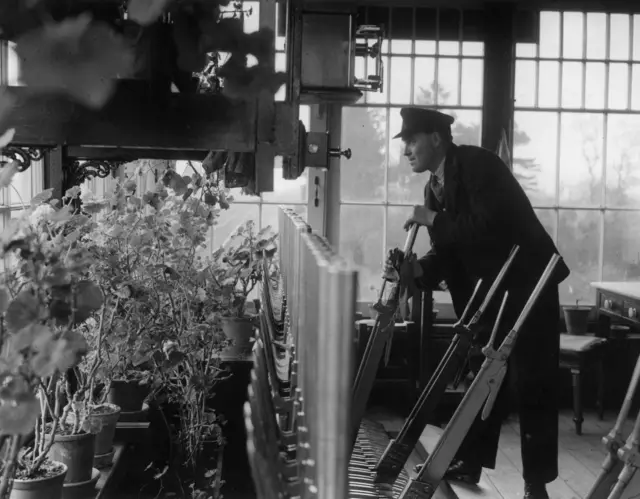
<point>437,188</point>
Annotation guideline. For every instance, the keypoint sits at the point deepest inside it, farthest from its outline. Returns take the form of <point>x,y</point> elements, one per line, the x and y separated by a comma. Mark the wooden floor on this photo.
<point>580,459</point>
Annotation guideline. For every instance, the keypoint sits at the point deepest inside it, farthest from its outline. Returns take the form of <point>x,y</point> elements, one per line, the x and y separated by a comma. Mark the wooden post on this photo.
<point>499,68</point>
<point>54,172</point>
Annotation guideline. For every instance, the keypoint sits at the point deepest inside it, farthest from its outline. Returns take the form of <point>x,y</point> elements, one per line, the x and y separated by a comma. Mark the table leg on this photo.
<point>601,378</point>
<point>577,399</point>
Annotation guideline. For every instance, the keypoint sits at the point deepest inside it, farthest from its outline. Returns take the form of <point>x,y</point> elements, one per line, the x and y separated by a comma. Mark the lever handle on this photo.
<point>336,153</point>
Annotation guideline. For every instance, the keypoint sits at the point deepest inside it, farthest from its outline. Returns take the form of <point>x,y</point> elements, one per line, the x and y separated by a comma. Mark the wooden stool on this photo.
<point>579,353</point>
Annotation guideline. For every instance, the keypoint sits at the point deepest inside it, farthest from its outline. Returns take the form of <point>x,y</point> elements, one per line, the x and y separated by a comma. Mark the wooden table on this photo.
<point>619,303</point>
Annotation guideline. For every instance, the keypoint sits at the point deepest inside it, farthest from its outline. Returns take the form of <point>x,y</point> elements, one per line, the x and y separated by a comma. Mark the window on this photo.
<point>291,193</point>
<point>577,142</point>
<point>424,65</point>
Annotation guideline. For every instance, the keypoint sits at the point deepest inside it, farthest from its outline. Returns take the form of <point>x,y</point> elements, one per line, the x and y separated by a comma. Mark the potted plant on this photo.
<point>165,321</point>
<point>237,268</point>
<point>88,408</point>
<point>44,297</point>
<point>576,317</point>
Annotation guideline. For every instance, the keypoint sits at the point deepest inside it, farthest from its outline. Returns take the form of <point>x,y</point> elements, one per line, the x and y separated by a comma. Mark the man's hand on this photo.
<point>410,270</point>
<point>422,216</point>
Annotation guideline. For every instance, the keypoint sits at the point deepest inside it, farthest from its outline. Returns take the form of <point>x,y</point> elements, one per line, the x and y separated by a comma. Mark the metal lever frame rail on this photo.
<point>382,329</point>
<point>483,391</point>
<point>399,449</point>
<point>622,460</point>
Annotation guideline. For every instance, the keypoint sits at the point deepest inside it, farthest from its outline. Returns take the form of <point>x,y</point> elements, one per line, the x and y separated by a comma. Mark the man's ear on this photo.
<point>436,139</point>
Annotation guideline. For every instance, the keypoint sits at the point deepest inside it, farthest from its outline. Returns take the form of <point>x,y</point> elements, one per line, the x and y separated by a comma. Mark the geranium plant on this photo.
<point>239,266</point>
<point>44,297</point>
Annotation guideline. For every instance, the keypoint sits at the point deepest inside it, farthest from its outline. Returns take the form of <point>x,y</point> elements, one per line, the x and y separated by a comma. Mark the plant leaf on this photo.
<point>7,137</point>
<point>22,311</point>
<point>41,198</point>
<point>5,299</point>
<point>89,298</point>
<point>145,12</point>
<point>7,173</point>
<point>18,414</point>
<point>77,57</point>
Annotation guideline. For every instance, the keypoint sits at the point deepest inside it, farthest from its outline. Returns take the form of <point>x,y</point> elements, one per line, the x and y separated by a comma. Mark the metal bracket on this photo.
<point>24,156</point>
<point>375,81</point>
<point>76,172</point>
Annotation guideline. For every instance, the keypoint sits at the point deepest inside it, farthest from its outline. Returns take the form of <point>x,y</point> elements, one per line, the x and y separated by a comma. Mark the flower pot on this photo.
<point>240,332</point>
<point>576,319</point>
<point>76,452</point>
<point>105,417</point>
<point>45,487</point>
<point>128,395</point>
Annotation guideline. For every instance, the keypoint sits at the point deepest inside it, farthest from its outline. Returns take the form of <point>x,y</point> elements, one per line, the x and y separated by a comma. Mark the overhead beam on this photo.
<point>132,120</point>
<point>132,154</point>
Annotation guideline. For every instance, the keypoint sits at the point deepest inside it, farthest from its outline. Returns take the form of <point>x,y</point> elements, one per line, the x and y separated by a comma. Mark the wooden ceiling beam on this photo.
<point>132,120</point>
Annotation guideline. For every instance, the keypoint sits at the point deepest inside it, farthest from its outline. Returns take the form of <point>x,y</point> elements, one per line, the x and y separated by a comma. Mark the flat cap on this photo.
<point>416,120</point>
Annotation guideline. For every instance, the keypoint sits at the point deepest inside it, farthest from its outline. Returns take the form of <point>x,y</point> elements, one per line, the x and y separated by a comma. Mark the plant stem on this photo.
<point>6,482</point>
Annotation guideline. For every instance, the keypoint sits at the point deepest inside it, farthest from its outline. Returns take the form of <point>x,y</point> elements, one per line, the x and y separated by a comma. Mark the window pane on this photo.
<point>424,86</point>
<point>251,18</point>
<point>526,49</point>
<point>287,191</point>
<point>579,243</point>
<point>572,34</point>
<point>364,131</point>
<point>472,48</point>
<point>379,97</point>
<point>13,65</point>
<point>403,186</point>
<point>581,159</point>
<point>535,143</point>
<point>400,46</point>
<point>26,185</point>
<point>621,255</point>
<point>595,85</point>
<point>270,214</point>
<point>231,218</point>
<point>549,220</point>
<point>619,36</point>
<point>549,34</point>
<point>467,127</point>
<point>548,82</point>
<point>472,82</point>
<point>425,47</point>
<point>448,82</point>
<point>361,242</point>
<point>635,95</point>
<point>449,48</point>
<point>623,158</point>
<point>596,36</point>
<point>572,84</point>
<point>396,235</point>
<point>400,84</point>
<point>525,85</point>
<point>618,86</point>
<point>636,37</point>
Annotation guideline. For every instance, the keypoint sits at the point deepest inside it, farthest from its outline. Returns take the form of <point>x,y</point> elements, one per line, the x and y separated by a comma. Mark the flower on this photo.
<point>40,214</point>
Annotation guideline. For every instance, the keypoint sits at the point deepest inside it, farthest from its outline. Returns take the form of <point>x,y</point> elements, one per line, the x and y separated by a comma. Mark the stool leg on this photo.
<point>600,402</point>
<point>577,400</point>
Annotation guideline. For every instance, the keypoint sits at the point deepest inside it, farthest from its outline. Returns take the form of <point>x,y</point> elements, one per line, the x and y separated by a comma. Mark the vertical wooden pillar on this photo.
<point>54,172</point>
<point>265,152</point>
<point>499,69</point>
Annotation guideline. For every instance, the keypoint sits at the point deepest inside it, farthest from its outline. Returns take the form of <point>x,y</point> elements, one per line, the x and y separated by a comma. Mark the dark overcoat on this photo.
<point>483,214</point>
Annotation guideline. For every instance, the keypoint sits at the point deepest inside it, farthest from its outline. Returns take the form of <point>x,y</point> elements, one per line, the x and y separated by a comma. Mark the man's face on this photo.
<point>423,151</point>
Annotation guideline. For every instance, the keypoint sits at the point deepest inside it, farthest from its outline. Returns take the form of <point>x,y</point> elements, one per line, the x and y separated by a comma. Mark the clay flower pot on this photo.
<point>47,486</point>
<point>576,319</point>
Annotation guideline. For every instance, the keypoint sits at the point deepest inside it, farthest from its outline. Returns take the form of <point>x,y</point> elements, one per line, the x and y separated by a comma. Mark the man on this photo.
<point>475,212</point>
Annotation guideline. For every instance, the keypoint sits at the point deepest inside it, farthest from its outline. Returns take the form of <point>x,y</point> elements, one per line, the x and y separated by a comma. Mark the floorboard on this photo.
<point>580,459</point>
